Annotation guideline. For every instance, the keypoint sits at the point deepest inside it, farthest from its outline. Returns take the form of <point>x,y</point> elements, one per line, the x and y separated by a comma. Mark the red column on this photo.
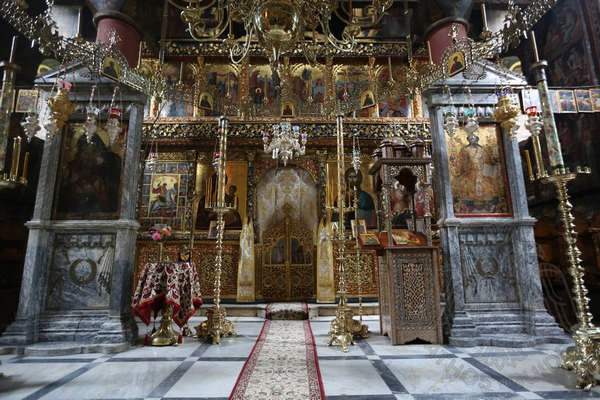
<point>125,28</point>
<point>439,35</point>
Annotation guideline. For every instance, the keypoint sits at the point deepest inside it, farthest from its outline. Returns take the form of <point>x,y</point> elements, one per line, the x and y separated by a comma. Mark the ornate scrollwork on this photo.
<point>197,129</point>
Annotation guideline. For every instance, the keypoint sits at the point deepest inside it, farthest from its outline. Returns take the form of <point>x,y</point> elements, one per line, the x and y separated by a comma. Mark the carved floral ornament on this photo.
<point>202,130</point>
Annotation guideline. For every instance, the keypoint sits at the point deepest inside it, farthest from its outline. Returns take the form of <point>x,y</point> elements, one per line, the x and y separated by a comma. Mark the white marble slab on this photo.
<point>534,372</point>
<point>351,377</point>
<point>185,349</point>
<point>115,380</point>
<point>207,379</point>
<point>442,375</point>
<point>231,347</point>
<point>21,380</point>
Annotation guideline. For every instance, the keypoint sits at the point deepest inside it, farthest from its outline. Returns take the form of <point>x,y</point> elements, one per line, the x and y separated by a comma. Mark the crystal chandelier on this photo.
<point>285,141</point>
<point>279,26</point>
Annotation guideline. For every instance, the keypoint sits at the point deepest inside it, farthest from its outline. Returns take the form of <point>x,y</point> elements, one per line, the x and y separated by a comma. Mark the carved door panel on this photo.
<point>287,267</point>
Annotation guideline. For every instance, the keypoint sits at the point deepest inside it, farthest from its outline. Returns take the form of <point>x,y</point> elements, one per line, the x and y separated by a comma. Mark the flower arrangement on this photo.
<point>160,232</point>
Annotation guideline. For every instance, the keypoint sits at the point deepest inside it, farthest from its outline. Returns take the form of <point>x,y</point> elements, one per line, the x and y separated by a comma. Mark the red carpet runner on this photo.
<point>282,365</point>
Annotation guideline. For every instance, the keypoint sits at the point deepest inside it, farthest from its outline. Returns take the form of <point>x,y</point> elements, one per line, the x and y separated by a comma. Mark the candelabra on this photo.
<point>216,324</point>
<point>583,358</point>
<point>343,327</point>
<point>285,141</point>
<point>9,176</point>
<point>358,328</point>
<point>279,26</point>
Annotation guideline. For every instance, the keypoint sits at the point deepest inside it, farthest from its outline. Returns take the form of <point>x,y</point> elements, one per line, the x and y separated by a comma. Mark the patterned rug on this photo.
<point>287,311</point>
<point>283,365</point>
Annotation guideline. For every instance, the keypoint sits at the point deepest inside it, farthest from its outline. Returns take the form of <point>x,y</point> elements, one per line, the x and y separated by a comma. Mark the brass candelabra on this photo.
<point>344,326</point>
<point>11,175</point>
<point>358,328</point>
<point>584,357</point>
<point>216,324</point>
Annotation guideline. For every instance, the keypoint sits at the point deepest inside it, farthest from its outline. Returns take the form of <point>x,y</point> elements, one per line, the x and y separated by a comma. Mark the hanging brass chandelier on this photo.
<point>279,26</point>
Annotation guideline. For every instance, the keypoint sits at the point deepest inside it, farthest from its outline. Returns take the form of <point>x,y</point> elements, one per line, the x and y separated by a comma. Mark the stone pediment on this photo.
<point>483,74</point>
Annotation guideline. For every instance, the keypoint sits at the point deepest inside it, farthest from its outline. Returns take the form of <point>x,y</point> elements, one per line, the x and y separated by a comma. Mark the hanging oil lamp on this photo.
<point>60,109</point>
<point>31,125</point>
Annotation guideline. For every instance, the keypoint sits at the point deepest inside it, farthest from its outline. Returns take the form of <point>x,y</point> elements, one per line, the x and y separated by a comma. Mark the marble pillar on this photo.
<point>500,306</point>
<point>77,275</point>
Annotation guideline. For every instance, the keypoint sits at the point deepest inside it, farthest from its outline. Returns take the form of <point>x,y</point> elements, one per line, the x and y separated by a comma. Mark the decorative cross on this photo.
<point>453,32</point>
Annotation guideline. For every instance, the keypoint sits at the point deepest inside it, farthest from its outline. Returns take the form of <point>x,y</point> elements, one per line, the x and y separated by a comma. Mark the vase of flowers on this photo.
<point>159,233</point>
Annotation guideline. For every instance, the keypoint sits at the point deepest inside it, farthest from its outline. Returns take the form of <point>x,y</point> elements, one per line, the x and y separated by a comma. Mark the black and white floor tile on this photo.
<point>373,369</point>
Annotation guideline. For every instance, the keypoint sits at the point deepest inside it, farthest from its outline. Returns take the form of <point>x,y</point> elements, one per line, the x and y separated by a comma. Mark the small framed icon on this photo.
<point>27,101</point>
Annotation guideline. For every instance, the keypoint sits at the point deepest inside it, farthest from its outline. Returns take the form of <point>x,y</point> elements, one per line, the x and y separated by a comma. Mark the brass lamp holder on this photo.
<point>344,326</point>
<point>165,335</point>
<point>216,324</point>
<point>584,357</point>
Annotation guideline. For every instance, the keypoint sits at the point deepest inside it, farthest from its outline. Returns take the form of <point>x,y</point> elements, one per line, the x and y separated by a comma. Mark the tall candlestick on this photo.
<point>16,157</point>
<point>25,168</point>
<point>552,141</point>
<point>13,164</point>
<point>139,63</point>
<point>529,168</point>
<point>78,28</point>
<point>181,72</point>
<point>534,48</point>
<point>13,50</point>
<point>484,16</point>
<point>429,52</point>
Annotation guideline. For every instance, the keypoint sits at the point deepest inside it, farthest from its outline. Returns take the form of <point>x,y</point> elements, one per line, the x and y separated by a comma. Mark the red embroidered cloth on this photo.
<point>175,283</point>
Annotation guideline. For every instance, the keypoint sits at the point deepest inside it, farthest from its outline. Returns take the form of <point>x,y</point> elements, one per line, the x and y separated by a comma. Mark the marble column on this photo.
<point>505,309</point>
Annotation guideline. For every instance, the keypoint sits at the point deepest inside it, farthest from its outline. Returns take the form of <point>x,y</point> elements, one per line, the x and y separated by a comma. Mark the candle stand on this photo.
<point>216,324</point>
<point>584,357</point>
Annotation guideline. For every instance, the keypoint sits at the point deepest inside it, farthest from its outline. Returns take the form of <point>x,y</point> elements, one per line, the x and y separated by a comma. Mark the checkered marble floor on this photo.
<point>373,369</point>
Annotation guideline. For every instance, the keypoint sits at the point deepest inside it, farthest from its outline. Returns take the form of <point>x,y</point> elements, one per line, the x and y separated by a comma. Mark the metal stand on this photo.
<point>342,328</point>
<point>584,357</point>
<point>216,324</point>
<point>165,335</point>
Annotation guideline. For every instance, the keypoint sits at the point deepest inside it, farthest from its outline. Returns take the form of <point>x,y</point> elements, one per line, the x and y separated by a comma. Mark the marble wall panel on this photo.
<point>81,271</point>
<point>487,262</point>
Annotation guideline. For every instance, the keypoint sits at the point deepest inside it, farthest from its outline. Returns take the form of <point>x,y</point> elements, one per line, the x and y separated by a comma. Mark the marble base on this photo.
<point>505,329</point>
<point>20,332</point>
<point>69,348</point>
<point>82,329</point>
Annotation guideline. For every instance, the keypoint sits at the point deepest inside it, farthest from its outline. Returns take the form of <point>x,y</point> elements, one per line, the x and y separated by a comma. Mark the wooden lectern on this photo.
<point>409,293</point>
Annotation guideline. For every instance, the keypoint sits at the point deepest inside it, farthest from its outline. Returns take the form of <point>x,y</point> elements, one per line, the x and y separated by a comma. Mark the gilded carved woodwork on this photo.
<point>410,295</point>
<point>288,269</point>
<point>216,49</point>
<point>205,128</point>
<point>368,268</point>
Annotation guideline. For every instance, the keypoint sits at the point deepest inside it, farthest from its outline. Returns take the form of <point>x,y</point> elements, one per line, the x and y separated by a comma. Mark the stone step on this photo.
<point>67,336</point>
<point>501,329</point>
<point>70,324</point>
<point>496,318</point>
